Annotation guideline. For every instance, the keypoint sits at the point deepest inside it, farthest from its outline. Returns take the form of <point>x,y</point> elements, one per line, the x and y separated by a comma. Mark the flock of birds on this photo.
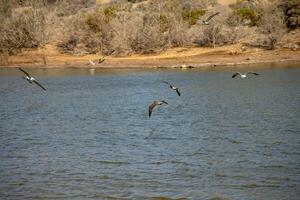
<point>154,104</point>
<point>161,102</point>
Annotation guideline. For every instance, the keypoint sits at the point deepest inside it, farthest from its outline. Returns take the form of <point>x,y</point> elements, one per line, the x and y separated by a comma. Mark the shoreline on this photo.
<point>183,58</point>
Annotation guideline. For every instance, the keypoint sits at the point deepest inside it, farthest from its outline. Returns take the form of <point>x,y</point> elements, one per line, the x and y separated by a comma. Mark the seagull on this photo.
<point>206,22</point>
<point>30,79</point>
<point>100,60</point>
<point>172,87</point>
<point>155,103</point>
<point>91,62</point>
<point>244,75</point>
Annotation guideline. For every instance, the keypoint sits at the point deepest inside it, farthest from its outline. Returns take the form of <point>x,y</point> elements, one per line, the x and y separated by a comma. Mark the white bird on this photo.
<point>155,103</point>
<point>30,79</point>
<point>244,75</point>
<point>172,87</point>
<point>206,21</point>
<point>100,60</point>
<point>91,62</point>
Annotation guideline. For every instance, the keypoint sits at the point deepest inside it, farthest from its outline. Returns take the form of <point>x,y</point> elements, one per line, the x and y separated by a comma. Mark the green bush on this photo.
<point>164,22</point>
<point>110,11</point>
<point>248,14</point>
<point>192,16</point>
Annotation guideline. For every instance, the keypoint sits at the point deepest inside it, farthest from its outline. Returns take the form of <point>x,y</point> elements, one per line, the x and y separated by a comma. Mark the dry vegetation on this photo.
<point>135,26</point>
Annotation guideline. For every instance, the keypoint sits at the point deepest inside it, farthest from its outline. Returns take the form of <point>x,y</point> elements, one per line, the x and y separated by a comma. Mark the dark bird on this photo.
<point>101,60</point>
<point>30,79</point>
<point>244,75</point>
<point>154,104</point>
<point>206,21</point>
<point>172,87</point>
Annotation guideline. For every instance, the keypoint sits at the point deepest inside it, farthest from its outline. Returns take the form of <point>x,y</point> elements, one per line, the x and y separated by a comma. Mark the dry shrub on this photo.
<point>148,38</point>
<point>272,26</point>
<point>24,29</point>
<point>291,9</point>
<point>125,28</point>
<point>177,33</point>
<point>71,7</point>
<point>212,35</point>
<point>87,33</point>
<point>4,58</point>
<point>5,9</point>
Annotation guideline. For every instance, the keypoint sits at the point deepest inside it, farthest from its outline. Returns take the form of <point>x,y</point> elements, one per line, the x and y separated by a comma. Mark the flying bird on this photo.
<point>172,87</point>
<point>154,104</point>
<point>244,75</point>
<point>91,62</point>
<point>30,79</point>
<point>206,21</point>
<point>101,60</point>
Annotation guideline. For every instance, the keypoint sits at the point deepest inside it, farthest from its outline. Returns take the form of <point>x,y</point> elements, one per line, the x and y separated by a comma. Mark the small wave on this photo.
<point>169,161</point>
<point>110,162</point>
<point>253,185</point>
<point>166,198</point>
<point>161,138</point>
<point>272,166</point>
<point>219,198</point>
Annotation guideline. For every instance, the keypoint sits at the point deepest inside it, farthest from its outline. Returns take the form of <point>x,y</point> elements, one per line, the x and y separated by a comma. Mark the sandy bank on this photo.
<point>48,57</point>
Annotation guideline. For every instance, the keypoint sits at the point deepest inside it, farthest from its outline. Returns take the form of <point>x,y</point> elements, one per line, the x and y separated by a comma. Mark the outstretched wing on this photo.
<point>151,107</point>
<point>164,102</point>
<point>39,85</point>
<point>166,82</point>
<point>234,75</point>
<point>91,62</point>
<point>178,92</point>
<point>213,15</point>
<point>252,73</point>
<point>24,71</point>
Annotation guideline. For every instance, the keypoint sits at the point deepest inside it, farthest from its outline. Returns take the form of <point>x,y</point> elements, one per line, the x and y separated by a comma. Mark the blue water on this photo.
<point>89,135</point>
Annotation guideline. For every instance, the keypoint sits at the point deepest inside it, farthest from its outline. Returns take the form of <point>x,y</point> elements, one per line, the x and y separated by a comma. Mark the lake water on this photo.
<point>89,136</point>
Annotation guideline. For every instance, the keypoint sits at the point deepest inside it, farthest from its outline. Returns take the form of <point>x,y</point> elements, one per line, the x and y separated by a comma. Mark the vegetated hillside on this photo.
<point>124,27</point>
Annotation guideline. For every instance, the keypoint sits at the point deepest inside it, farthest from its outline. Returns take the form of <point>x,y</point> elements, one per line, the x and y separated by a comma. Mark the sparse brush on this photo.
<point>23,30</point>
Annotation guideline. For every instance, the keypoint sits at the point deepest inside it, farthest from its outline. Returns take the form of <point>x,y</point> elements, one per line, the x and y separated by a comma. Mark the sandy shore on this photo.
<point>48,57</point>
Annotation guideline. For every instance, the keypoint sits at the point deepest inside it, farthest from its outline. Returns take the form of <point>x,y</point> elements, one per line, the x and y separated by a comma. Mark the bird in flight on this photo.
<point>30,79</point>
<point>244,75</point>
<point>154,104</point>
<point>91,62</point>
<point>100,60</point>
<point>172,87</point>
<point>206,21</point>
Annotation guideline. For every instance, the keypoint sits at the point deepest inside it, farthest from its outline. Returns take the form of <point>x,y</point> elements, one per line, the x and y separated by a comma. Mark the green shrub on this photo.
<point>164,22</point>
<point>110,11</point>
<point>248,14</point>
<point>92,23</point>
<point>192,16</point>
